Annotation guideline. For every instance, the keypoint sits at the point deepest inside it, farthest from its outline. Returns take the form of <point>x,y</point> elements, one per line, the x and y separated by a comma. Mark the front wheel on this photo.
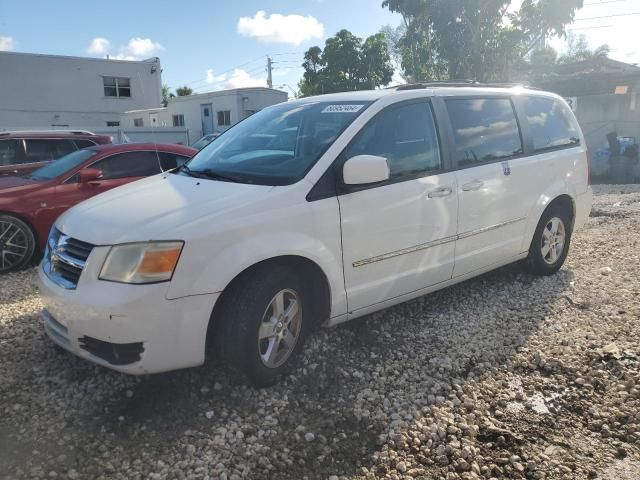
<point>265,320</point>
<point>17,244</point>
<point>550,244</point>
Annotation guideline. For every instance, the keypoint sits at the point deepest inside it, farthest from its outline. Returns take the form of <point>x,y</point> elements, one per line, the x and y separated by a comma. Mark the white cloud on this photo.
<point>240,79</point>
<point>141,48</point>
<point>213,78</point>
<point>7,44</point>
<point>136,49</point>
<point>99,46</point>
<point>277,28</point>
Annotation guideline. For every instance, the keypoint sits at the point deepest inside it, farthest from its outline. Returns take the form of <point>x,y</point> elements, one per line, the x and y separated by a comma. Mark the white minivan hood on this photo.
<point>153,208</point>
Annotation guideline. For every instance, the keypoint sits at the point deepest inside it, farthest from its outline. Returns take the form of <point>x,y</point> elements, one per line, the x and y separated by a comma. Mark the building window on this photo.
<point>117,87</point>
<point>113,124</point>
<point>137,122</point>
<point>178,120</point>
<point>224,118</point>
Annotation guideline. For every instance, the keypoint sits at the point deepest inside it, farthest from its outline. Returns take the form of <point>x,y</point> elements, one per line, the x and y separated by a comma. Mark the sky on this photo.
<point>217,44</point>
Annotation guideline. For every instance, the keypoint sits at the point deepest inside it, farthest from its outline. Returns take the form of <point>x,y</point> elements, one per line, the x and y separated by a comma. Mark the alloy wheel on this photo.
<point>14,245</point>
<point>554,237</point>
<point>280,328</point>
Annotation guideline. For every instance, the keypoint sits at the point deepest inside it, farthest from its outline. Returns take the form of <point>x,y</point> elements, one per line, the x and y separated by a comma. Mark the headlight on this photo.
<point>139,263</point>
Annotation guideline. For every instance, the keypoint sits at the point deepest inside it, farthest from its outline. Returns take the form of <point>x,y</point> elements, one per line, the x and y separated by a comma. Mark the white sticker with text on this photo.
<point>342,108</point>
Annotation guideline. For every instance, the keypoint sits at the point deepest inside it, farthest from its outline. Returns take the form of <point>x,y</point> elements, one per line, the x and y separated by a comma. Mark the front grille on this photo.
<point>65,258</point>
<point>114,353</point>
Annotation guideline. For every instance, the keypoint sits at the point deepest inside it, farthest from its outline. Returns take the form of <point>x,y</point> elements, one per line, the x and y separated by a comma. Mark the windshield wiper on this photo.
<point>210,174</point>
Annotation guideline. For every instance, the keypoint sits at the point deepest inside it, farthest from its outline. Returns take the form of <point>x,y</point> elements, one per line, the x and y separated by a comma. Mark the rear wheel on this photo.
<point>551,240</point>
<point>265,319</point>
<point>17,244</point>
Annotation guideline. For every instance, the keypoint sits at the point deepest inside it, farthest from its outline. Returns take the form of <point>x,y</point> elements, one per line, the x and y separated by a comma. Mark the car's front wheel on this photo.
<point>17,244</point>
<point>265,319</point>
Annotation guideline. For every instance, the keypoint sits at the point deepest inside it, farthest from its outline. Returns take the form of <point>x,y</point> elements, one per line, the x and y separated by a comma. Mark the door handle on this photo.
<point>473,186</point>
<point>440,192</point>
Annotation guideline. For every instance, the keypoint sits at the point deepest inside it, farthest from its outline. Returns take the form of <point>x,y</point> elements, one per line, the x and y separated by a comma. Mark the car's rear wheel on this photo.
<point>265,318</point>
<point>17,244</point>
<point>551,240</point>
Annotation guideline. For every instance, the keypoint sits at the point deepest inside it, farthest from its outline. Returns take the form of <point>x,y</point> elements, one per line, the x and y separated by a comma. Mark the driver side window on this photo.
<point>406,136</point>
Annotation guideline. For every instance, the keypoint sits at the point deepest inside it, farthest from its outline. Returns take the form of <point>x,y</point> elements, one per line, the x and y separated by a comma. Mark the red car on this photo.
<point>23,152</point>
<point>29,205</point>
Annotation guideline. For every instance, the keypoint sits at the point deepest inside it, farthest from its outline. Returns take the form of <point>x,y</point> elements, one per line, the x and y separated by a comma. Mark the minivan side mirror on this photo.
<point>87,175</point>
<point>365,169</point>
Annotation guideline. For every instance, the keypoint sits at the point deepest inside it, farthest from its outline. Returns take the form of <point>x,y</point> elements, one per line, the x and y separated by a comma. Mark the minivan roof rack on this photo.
<point>457,83</point>
<point>68,132</point>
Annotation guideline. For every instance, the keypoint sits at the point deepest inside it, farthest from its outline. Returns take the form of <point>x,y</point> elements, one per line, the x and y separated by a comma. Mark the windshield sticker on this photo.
<point>342,108</point>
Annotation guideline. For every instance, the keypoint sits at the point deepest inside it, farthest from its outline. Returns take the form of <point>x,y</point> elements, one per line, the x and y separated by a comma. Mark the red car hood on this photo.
<point>13,185</point>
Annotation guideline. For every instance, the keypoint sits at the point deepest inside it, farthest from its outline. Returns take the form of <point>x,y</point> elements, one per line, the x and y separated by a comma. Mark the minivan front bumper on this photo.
<point>133,329</point>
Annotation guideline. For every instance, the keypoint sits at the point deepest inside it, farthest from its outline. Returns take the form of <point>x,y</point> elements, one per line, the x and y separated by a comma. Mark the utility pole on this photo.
<point>269,72</point>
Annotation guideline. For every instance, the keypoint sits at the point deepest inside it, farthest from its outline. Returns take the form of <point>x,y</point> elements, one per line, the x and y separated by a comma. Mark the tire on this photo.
<point>17,244</point>
<point>551,240</point>
<point>250,338</point>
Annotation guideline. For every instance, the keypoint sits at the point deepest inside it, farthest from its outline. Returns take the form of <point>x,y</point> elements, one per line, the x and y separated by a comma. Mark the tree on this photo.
<point>346,63</point>
<point>541,62</point>
<point>474,39</point>
<point>578,50</point>
<point>166,95</point>
<point>184,91</point>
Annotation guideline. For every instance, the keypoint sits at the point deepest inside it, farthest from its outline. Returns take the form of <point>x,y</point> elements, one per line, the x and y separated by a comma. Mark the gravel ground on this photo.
<point>504,376</point>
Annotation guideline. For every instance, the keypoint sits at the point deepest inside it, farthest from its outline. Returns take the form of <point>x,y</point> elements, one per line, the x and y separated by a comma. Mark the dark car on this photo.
<point>30,204</point>
<point>23,152</point>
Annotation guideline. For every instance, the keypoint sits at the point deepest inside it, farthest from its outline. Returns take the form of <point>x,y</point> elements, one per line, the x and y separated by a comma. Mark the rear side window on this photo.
<point>406,136</point>
<point>485,130</point>
<point>169,161</point>
<point>9,152</point>
<point>44,150</point>
<point>551,123</point>
<point>84,143</point>
<point>130,164</point>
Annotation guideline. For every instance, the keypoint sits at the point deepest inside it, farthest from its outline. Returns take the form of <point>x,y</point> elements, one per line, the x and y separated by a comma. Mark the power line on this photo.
<point>226,71</point>
<point>603,3</point>
<point>608,16</point>
<point>287,53</point>
<point>589,28</point>
<point>261,57</point>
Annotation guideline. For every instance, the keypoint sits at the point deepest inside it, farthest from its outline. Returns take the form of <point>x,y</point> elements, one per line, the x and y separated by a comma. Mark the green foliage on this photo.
<point>166,94</point>
<point>474,39</point>
<point>346,64</point>
<point>184,91</point>
<point>578,50</point>
<point>542,61</point>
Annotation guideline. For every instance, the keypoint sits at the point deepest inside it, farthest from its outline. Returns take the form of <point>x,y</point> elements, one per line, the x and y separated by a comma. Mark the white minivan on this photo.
<point>315,212</point>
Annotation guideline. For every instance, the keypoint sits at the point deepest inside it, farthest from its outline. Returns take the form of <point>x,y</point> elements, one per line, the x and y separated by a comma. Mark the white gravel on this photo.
<point>504,376</point>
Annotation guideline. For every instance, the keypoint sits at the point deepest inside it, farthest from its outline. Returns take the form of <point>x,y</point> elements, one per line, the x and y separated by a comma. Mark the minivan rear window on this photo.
<point>485,129</point>
<point>551,123</point>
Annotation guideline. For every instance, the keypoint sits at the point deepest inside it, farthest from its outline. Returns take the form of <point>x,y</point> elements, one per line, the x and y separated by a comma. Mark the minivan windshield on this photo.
<point>62,165</point>
<point>276,146</point>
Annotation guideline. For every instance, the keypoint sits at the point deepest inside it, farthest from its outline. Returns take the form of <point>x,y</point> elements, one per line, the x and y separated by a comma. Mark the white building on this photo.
<point>205,112</point>
<point>75,92</point>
